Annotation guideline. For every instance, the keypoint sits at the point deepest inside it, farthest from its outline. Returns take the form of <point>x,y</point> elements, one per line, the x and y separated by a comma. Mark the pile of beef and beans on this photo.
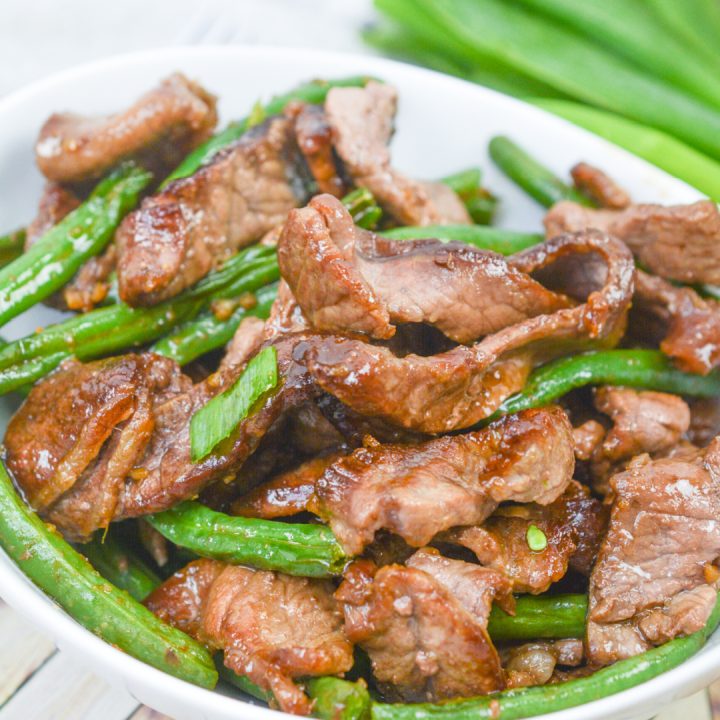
<point>325,434</point>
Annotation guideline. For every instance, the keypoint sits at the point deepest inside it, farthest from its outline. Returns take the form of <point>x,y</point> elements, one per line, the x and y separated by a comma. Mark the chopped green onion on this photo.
<point>536,539</point>
<point>216,420</point>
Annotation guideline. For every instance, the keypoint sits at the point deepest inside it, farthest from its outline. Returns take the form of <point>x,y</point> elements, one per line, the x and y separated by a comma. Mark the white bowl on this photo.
<point>443,125</point>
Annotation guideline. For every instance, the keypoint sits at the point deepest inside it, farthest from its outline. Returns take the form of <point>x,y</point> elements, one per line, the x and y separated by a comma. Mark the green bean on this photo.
<point>313,92</point>
<point>540,616</point>
<point>501,241</point>
<point>112,614</point>
<point>655,146</point>
<point>648,369</point>
<point>60,252</point>
<point>463,182</point>
<point>207,332</point>
<point>337,699</point>
<point>120,566</point>
<point>296,549</point>
<point>532,177</point>
<point>615,24</point>
<point>526,702</point>
<point>363,207</point>
<point>11,246</point>
<point>244,683</point>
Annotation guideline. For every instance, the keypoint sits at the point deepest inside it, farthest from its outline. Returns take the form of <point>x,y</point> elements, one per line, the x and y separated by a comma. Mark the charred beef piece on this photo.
<point>594,183</point>
<point>654,578</point>
<point>417,491</point>
<point>118,427</point>
<point>534,663</point>
<point>425,627</point>
<point>686,326</point>
<point>347,279</point>
<point>679,242</point>
<point>573,525</point>
<point>455,389</point>
<point>55,203</point>
<point>271,627</point>
<point>179,234</point>
<point>362,125</point>
<point>158,130</point>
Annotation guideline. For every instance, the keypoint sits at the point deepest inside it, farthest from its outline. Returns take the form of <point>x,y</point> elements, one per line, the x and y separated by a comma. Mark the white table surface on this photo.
<point>39,37</point>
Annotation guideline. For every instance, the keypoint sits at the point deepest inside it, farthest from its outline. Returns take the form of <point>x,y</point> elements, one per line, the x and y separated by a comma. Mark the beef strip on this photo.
<point>55,203</point>
<point>348,279</point>
<point>87,477</point>
<point>362,124</point>
<point>534,663</point>
<point>679,242</point>
<point>654,576</point>
<point>417,491</point>
<point>601,188</point>
<point>457,388</point>
<point>573,525</point>
<point>158,130</point>
<point>686,326</point>
<point>272,627</point>
<point>179,234</point>
<point>420,629</point>
<point>704,420</point>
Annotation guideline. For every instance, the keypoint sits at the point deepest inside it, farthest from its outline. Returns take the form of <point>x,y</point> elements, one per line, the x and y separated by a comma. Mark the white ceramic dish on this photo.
<point>443,125</point>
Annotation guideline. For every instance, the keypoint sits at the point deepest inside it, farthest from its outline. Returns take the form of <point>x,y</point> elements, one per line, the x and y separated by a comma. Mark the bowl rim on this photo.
<point>113,664</point>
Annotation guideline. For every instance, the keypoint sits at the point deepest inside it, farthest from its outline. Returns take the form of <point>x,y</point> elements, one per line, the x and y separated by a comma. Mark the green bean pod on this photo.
<point>296,549</point>
<point>11,246</point>
<point>120,566</point>
<point>647,369</point>
<point>313,92</point>
<point>526,702</point>
<point>532,177</point>
<point>112,614</point>
<point>59,253</point>
<point>337,699</point>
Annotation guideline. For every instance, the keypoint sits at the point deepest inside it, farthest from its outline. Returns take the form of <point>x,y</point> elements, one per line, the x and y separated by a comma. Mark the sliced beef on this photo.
<point>158,130</point>
<point>92,476</point>
<point>420,628</point>
<point>704,420</point>
<point>679,242</point>
<point>55,203</point>
<point>272,627</point>
<point>245,343</point>
<point>534,663</point>
<point>457,388</point>
<point>362,125</point>
<point>179,234</point>
<point>573,525</point>
<point>82,431</point>
<point>347,279</point>
<point>653,579</point>
<point>314,138</point>
<point>686,326</point>
<point>417,491</point>
<point>594,183</point>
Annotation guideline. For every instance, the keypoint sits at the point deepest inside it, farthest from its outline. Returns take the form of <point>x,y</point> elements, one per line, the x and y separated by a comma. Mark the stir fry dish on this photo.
<point>317,429</point>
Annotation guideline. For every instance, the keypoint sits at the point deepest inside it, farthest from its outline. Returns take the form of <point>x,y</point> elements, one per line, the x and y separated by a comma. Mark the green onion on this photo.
<point>536,539</point>
<point>216,420</point>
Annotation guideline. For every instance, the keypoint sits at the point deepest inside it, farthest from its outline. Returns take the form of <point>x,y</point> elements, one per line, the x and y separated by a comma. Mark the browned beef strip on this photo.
<point>600,187</point>
<point>653,579</point>
<point>704,420</point>
<point>314,138</point>
<point>55,203</point>
<point>179,234</point>
<point>588,437</point>
<point>534,663</point>
<point>686,325</point>
<point>362,124</point>
<point>159,130</point>
<point>573,525</point>
<point>245,343</point>
<point>679,242</point>
<point>272,627</point>
<point>458,388</point>
<point>87,478</point>
<point>347,279</point>
<point>417,491</point>
<point>424,642</point>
